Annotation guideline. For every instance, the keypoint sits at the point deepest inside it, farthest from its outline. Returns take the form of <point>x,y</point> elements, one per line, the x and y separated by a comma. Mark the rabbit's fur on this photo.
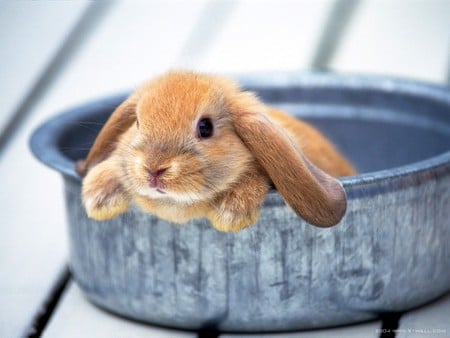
<point>150,153</point>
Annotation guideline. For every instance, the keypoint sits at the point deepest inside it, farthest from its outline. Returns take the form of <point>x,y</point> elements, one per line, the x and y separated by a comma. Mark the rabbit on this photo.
<point>188,145</point>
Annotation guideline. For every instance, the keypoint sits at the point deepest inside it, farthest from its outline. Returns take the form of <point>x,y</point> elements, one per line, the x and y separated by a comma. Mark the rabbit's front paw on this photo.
<point>103,195</point>
<point>231,221</point>
<point>239,207</point>
<point>234,214</point>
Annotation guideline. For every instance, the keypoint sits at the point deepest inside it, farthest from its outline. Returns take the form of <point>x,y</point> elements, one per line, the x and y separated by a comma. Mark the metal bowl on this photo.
<point>391,252</point>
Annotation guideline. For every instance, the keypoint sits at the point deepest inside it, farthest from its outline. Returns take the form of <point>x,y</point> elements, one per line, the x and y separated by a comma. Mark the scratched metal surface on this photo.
<point>389,253</point>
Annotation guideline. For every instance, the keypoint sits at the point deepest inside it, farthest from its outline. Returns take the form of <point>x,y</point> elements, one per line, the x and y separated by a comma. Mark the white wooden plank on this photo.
<point>76,317</point>
<point>432,320</point>
<point>33,235</point>
<point>133,43</point>
<point>30,36</point>
<point>367,330</point>
<point>32,230</point>
<point>277,35</point>
<point>138,40</point>
<point>34,247</point>
<point>408,38</point>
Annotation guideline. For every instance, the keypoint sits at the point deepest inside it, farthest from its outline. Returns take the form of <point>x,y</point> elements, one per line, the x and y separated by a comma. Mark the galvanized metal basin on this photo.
<point>391,252</point>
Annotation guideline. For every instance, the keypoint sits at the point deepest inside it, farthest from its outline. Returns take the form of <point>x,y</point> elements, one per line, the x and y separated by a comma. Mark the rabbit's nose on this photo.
<point>155,180</point>
<point>157,173</point>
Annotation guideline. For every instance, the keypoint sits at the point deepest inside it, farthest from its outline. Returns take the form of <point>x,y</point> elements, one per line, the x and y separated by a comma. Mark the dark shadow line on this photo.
<point>208,333</point>
<point>49,306</point>
<point>338,19</point>
<point>76,36</point>
<point>389,324</point>
<point>448,68</point>
<point>210,22</point>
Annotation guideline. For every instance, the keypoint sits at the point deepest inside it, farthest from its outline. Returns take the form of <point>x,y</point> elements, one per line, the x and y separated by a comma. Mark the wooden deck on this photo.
<point>58,54</point>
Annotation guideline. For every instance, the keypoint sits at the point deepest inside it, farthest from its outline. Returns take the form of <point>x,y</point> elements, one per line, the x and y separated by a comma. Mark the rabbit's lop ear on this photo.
<point>314,195</point>
<point>119,122</point>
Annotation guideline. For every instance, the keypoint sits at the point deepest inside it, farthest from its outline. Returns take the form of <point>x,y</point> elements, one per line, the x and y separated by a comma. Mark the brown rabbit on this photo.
<point>189,145</point>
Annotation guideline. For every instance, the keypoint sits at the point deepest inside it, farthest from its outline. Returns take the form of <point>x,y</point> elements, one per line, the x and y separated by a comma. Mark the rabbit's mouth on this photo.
<point>156,183</point>
<point>154,192</point>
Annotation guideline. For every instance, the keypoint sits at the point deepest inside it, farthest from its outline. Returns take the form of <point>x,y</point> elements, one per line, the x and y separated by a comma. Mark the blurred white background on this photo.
<point>107,46</point>
<point>55,54</point>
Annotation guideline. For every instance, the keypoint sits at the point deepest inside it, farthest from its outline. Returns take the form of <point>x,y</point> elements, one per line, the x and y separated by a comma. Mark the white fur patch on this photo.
<point>227,217</point>
<point>89,202</point>
<point>177,197</point>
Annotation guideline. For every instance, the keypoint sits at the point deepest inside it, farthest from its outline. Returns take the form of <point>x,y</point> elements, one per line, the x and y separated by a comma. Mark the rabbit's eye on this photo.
<point>205,128</point>
<point>137,123</point>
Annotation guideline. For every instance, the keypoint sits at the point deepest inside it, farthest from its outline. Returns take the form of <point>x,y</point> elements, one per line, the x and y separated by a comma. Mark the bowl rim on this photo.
<point>44,140</point>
